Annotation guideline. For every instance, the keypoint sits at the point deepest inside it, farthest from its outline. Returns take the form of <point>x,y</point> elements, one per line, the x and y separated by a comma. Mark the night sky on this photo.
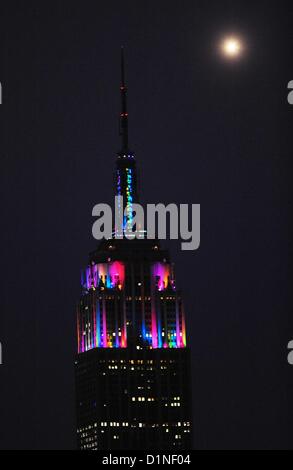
<point>204,130</point>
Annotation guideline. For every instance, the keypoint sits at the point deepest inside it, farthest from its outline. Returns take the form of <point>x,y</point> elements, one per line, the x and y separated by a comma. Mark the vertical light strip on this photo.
<point>94,332</point>
<point>104,323</point>
<point>159,322</point>
<point>154,320</point>
<point>178,337</point>
<point>117,326</point>
<point>183,327</point>
<point>98,324</point>
<point>124,326</point>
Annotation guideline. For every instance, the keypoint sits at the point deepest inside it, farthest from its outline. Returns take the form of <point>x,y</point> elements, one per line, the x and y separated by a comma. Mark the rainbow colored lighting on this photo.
<point>164,298</point>
<point>162,322</point>
<point>112,275</point>
<point>92,329</point>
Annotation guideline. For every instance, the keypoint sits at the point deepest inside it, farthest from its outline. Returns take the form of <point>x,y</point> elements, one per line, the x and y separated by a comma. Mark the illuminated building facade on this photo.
<point>133,366</point>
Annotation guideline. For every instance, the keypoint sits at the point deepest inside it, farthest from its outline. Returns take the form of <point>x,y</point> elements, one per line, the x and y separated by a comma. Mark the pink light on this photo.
<point>117,272</point>
<point>95,275</point>
<point>110,273</point>
<point>124,330</point>
<point>162,270</point>
<point>178,337</point>
<point>104,325</point>
<point>154,330</point>
<point>154,324</point>
<point>183,328</point>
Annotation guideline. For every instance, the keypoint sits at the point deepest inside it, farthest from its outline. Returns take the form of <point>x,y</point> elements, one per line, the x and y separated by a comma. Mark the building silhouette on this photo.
<point>133,388</point>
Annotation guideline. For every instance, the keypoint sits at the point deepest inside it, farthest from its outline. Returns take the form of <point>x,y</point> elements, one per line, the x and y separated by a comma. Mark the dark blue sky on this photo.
<point>203,131</point>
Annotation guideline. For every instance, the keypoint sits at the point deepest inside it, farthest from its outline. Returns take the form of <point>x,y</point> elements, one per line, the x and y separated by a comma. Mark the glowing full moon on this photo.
<point>231,47</point>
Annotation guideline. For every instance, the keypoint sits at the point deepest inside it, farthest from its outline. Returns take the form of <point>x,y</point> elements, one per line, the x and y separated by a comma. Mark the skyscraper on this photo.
<point>133,385</point>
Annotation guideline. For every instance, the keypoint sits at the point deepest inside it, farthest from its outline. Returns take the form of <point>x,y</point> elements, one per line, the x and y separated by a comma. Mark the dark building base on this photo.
<point>133,399</point>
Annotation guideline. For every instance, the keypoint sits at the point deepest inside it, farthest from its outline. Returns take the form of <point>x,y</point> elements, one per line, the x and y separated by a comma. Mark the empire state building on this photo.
<point>132,369</point>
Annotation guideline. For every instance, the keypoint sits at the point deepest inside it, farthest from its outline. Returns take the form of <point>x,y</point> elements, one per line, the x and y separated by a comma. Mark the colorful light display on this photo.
<point>109,275</point>
<point>102,316</point>
<point>162,274</point>
<point>129,197</point>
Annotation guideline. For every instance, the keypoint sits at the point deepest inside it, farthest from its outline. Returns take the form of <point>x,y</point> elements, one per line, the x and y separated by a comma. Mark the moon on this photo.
<point>231,47</point>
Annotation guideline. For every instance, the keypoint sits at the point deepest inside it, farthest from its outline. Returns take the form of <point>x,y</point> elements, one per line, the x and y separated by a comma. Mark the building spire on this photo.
<point>123,114</point>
